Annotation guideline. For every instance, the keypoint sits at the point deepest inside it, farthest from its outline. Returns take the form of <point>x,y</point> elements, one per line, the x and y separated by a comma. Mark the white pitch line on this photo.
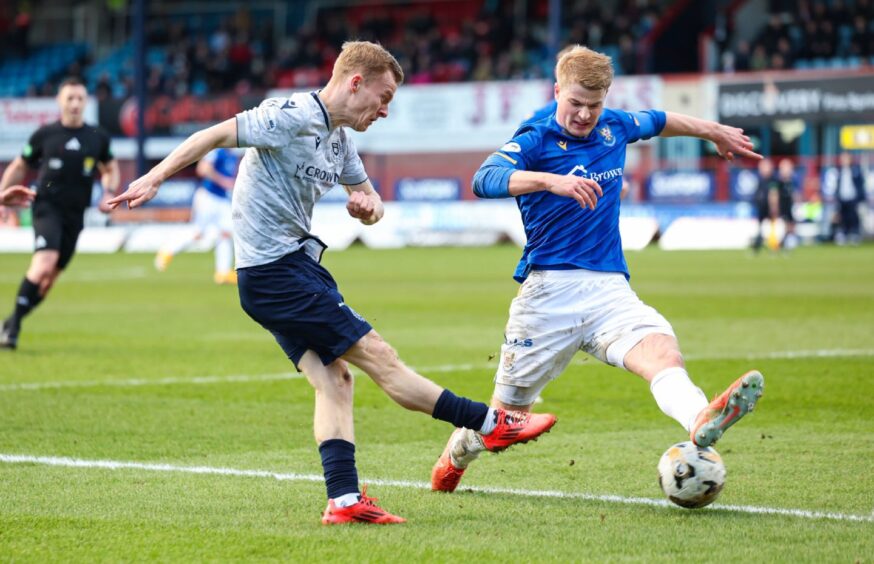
<point>154,467</point>
<point>134,382</point>
<point>776,355</point>
<point>238,378</point>
<point>438,369</point>
<point>92,276</point>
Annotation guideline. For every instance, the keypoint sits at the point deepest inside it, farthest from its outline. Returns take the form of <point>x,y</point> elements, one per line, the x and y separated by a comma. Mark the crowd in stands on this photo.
<point>448,42</point>
<point>807,33</point>
<point>436,42</point>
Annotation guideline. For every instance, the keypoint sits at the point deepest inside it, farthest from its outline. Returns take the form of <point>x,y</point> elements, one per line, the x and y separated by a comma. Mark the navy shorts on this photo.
<point>296,299</point>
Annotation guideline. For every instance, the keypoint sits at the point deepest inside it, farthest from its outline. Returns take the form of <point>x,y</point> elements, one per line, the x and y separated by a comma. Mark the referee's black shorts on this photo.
<point>56,229</point>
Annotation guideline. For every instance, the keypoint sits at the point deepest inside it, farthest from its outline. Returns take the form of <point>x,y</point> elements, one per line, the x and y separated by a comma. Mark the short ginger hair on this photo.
<point>369,59</point>
<point>580,65</point>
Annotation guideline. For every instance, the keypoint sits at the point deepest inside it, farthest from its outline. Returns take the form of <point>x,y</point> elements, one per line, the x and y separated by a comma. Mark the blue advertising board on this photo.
<point>428,189</point>
<point>681,187</point>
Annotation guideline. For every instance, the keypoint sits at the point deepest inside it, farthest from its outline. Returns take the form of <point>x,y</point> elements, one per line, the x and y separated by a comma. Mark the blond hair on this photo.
<point>369,59</point>
<point>580,65</point>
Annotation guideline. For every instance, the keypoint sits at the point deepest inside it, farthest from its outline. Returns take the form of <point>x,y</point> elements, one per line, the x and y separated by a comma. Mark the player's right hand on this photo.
<point>138,193</point>
<point>16,196</point>
<point>584,190</point>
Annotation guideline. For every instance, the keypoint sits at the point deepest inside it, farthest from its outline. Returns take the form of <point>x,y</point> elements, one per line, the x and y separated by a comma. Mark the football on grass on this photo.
<point>691,476</point>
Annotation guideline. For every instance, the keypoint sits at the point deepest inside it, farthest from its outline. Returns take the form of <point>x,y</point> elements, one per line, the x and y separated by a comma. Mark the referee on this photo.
<point>67,153</point>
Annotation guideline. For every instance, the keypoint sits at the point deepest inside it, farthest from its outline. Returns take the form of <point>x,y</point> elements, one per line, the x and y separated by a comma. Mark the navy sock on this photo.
<point>459,411</point>
<point>27,299</point>
<point>338,461</point>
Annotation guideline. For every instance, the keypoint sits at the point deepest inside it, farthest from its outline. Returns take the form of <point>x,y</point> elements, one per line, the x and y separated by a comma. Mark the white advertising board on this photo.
<point>477,116</point>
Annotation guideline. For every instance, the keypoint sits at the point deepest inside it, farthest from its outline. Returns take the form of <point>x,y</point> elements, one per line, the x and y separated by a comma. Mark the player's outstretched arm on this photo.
<point>364,203</point>
<point>192,149</point>
<point>729,141</point>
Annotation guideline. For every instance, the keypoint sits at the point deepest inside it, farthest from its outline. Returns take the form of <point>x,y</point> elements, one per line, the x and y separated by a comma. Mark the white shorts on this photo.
<point>559,312</point>
<point>209,211</point>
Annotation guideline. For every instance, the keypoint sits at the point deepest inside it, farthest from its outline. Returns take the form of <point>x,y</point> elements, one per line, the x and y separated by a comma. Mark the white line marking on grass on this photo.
<point>438,369</point>
<point>131,273</point>
<point>820,353</point>
<point>154,467</point>
<point>442,368</point>
<point>239,378</point>
<point>134,382</point>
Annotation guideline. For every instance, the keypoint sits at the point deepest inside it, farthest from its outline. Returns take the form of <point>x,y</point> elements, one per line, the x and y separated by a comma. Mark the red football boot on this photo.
<point>517,427</point>
<point>365,511</point>
<point>445,475</point>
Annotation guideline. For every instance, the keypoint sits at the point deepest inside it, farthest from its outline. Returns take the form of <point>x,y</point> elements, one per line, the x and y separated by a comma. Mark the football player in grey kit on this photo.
<point>297,151</point>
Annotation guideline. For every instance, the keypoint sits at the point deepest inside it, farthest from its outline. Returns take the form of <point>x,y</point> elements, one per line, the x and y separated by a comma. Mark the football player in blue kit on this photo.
<point>297,150</point>
<point>565,172</point>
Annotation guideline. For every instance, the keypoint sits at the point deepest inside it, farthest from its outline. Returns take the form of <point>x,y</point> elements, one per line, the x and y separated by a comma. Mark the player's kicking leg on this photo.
<point>657,359</point>
<point>727,409</point>
<point>484,428</point>
<point>465,445</point>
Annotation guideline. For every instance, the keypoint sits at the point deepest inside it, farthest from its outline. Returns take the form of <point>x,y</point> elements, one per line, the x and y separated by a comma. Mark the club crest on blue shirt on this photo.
<point>607,136</point>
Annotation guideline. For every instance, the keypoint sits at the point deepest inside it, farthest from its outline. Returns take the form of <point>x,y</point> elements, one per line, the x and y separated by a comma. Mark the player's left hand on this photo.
<point>364,207</point>
<point>731,142</point>
<point>138,193</point>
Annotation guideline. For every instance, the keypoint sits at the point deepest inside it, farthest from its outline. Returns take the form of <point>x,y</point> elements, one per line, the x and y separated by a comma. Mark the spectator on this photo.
<point>850,193</point>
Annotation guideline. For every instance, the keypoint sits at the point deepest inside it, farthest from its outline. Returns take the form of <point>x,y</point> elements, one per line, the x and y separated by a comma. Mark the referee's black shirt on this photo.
<point>67,160</point>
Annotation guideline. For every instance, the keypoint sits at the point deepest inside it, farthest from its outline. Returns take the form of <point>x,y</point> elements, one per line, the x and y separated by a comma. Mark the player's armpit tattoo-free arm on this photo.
<point>192,149</point>
<point>195,147</point>
<point>729,141</point>
<point>364,203</point>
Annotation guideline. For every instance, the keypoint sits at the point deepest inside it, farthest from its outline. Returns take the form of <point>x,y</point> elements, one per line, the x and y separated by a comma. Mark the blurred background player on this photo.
<point>575,293</point>
<point>788,192</point>
<point>849,194</point>
<point>282,284</point>
<point>67,154</point>
<point>211,212</point>
<point>774,198</point>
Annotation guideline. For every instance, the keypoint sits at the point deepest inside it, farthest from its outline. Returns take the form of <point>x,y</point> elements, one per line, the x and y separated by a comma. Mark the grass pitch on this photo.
<point>128,365</point>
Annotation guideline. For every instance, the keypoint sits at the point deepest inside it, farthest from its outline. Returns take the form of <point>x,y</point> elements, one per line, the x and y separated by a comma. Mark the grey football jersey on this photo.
<point>294,156</point>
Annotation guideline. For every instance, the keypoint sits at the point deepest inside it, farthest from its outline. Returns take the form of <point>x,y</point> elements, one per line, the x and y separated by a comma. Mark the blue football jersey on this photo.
<point>542,113</point>
<point>225,162</point>
<point>561,234</point>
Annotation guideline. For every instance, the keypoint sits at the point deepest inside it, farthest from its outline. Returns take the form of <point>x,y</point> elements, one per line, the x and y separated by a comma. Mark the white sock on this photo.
<point>466,446</point>
<point>677,396</point>
<point>490,422</point>
<point>223,254</point>
<point>346,500</point>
